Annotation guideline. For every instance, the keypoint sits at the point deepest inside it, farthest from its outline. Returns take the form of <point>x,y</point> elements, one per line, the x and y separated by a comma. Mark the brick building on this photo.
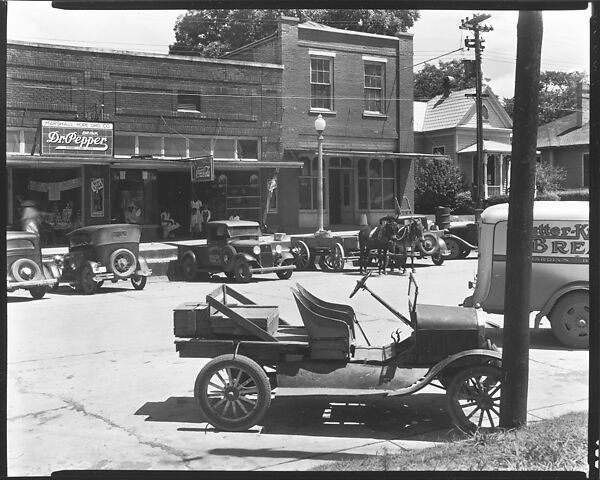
<point>362,85</point>
<point>154,112</point>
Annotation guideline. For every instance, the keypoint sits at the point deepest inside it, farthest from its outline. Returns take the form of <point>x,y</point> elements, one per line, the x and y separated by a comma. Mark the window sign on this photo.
<point>77,138</point>
<point>203,169</point>
<point>97,203</point>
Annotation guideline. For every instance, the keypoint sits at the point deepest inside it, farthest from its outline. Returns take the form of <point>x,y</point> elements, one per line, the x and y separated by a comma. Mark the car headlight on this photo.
<point>58,260</point>
<point>256,250</point>
<point>278,248</point>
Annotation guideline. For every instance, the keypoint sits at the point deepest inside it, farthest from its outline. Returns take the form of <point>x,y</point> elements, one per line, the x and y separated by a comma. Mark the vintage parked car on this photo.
<point>104,252</point>
<point>236,248</point>
<point>432,245</point>
<point>24,268</point>
<point>460,239</point>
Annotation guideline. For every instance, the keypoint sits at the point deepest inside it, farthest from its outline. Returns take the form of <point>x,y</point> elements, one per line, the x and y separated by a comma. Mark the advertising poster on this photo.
<point>97,197</point>
<point>203,169</point>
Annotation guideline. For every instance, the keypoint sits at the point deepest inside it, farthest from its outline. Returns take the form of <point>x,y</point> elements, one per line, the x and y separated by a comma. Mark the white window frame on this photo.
<point>329,57</point>
<point>437,147</point>
<point>371,60</point>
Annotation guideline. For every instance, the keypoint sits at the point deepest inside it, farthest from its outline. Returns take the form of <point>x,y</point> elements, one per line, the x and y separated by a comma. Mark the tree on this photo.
<point>438,182</point>
<point>548,178</point>
<point>429,81</point>
<point>212,33</point>
<point>558,95</point>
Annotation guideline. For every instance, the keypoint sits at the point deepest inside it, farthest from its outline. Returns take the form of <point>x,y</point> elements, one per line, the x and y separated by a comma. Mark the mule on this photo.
<point>404,244</point>
<point>376,238</point>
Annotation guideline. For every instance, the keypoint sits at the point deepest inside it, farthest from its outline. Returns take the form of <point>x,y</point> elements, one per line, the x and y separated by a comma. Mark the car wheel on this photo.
<point>123,262</point>
<point>241,271</point>
<point>85,280</point>
<point>227,257</point>
<point>437,258</point>
<point>473,398</point>
<point>233,392</point>
<point>570,320</point>
<point>188,268</point>
<point>25,270</point>
<point>464,253</point>
<point>285,274</point>
<point>428,245</point>
<point>138,282</point>
<point>37,292</point>
<point>453,247</point>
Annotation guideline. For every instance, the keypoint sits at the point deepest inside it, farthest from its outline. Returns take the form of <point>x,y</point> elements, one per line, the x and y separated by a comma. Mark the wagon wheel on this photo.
<point>453,247</point>
<point>188,268</point>
<point>335,258</point>
<point>473,398</point>
<point>241,271</point>
<point>233,392</point>
<point>302,257</point>
<point>138,281</point>
<point>85,280</point>
<point>570,320</point>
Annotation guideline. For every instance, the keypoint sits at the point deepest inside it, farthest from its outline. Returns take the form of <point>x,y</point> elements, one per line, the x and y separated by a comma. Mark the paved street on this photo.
<point>94,382</point>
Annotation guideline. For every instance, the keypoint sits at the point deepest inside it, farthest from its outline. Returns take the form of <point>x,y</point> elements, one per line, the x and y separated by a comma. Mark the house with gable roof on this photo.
<point>565,142</point>
<point>447,125</point>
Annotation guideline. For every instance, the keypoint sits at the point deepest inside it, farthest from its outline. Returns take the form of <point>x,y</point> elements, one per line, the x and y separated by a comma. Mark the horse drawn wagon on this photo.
<point>252,351</point>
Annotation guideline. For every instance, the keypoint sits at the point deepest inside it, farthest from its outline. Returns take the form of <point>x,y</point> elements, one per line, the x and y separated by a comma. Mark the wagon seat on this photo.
<point>329,333</point>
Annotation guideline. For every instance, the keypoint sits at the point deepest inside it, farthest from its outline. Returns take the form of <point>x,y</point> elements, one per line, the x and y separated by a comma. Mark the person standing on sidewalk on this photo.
<point>195,216</point>
<point>205,213</point>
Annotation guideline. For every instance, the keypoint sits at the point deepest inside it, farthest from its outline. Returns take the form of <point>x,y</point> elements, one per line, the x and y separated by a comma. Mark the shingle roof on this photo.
<point>447,111</point>
<point>563,132</point>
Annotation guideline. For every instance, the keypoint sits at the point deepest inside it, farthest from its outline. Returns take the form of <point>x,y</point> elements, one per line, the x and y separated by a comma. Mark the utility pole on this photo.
<point>474,25</point>
<point>515,340</point>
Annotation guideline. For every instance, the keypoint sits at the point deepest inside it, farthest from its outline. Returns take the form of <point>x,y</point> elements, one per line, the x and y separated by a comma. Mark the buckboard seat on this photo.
<point>328,331</point>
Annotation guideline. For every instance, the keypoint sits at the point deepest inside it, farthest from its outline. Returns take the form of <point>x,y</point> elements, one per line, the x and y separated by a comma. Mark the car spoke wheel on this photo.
<point>25,270</point>
<point>138,282</point>
<point>233,392</point>
<point>188,268</point>
<point>37,292</point>
<point>302,257</point>
<point>453,247</point>
<point>241,271</point>
<point>123,263</point>
<point>85,280</point>
<point>473,398</point>
<point>285,274</point>
<point>570,320</point>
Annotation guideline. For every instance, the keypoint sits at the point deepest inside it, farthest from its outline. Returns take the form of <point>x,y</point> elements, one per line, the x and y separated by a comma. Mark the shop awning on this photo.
<point>372,154</point>
<point>145,163</point>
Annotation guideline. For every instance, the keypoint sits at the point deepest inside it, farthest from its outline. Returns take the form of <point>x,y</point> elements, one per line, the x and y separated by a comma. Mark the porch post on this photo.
<point>484,176</point>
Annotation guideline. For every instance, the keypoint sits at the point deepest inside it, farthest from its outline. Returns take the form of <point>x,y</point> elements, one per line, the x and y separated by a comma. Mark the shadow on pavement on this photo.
<point>541,339</point>
<point>420,417</point>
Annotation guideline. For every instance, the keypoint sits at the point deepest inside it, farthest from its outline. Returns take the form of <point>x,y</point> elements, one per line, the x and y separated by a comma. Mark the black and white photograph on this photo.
<point>315,240</point>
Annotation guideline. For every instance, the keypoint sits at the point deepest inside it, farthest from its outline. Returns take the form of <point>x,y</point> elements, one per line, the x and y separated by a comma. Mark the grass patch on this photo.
<point>558,444</point>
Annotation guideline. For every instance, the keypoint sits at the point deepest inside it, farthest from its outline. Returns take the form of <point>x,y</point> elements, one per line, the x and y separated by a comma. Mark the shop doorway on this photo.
<point>341,198</point>
<point>175,193</point>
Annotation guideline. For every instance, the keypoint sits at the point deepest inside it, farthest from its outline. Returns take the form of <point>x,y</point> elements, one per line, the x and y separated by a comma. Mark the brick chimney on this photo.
<point>583,104</point>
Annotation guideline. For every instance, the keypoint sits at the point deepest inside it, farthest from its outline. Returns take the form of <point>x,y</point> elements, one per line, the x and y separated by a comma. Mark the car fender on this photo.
<point>466,358</point>
<point>143,268</point>
<point>287,256</point>
<point>246,256</point>
<point>547,308</point>
<point>460,241</point>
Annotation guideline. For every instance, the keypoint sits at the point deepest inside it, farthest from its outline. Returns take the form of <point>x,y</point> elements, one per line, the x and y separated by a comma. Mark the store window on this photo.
<point>175,147</point>
<point>376,184</point>
<point>188,102</point>
<point>124,144</point>
<point>224,148</point>
<point>20,140</point>
<point>200,147</point>
<point>374,74</point>
<point>247,150</point>
<point>440,150</point>
<point>150,146</point>
<point>321,83</point>
<point>309,184</point>
<point>13,141</point>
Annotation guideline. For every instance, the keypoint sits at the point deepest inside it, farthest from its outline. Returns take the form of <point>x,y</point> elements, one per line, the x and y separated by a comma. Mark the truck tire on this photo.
<point>227,257</point>
<point>241,270</point>
<point>570,319</point>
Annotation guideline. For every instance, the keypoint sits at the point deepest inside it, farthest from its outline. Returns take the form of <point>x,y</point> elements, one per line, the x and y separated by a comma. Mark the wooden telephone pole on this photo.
<point>474,25</point>
<point>515,342</point>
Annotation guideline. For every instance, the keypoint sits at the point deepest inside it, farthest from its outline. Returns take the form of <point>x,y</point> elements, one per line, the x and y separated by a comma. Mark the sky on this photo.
<point>565,44</point>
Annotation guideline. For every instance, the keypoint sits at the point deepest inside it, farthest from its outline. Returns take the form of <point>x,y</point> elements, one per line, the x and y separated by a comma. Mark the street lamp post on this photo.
<point>320,127</point>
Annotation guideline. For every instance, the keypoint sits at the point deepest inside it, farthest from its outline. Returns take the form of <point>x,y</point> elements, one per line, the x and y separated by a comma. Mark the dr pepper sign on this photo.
<point>203,169</point>
<point>77,138</point>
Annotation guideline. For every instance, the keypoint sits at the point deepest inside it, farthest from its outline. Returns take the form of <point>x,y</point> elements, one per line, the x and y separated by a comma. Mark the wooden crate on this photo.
<point>190,320</point>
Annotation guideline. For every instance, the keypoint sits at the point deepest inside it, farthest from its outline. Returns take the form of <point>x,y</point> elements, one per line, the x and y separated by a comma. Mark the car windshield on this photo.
<point>236,232</point>
<point>19,244</point>
<point>79,240</point>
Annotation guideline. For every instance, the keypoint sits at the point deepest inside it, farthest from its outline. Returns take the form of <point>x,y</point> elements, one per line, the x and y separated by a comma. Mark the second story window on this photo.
<point>321,83</point>
<point>374,75</point>
<point>188,102</point>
